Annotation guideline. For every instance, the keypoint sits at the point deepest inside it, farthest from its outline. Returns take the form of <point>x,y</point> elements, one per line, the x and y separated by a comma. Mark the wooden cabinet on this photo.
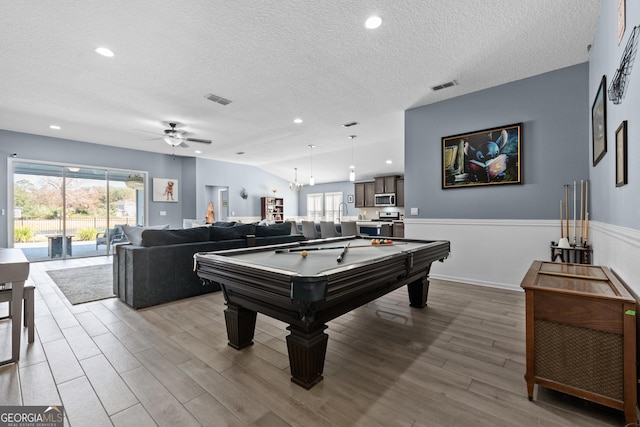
<point>385,184</point>
<point>272,209</point>
<point>581,334</point>
<point>400,192</point>
<point>398,229</point>
<point>364,195</point>
<point>359,195</point>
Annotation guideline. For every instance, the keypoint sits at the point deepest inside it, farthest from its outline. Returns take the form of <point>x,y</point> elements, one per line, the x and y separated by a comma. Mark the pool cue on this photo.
<point>581,210</point>
<point>574,213</point>
<point>300,249</point>
<point>344,252</point>
<point>561,221</point>
<point>566,210</point>
<point>586,210</point>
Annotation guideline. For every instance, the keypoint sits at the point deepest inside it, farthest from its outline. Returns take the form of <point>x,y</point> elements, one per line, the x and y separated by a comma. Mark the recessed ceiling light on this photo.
<point>104,52</point>
<point>389,162</point>
<point>297,120</point>
<point>198,152</point>
<point>373,22</point>
<point>56,127</point>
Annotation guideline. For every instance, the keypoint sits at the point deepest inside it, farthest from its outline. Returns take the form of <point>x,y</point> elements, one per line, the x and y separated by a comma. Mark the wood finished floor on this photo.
<point>458,362</point>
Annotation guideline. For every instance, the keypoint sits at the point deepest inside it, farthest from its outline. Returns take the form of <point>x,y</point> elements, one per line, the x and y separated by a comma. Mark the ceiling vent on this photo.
<point>443,85</point>
<point>217,99</point>
<point>350,124</point>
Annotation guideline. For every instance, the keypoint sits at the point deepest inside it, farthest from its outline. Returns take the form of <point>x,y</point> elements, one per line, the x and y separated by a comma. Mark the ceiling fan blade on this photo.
<point>201,141</point>
<point>183,145</point>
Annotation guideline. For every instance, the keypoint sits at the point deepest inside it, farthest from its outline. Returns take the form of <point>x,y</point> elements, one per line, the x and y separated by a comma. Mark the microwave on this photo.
<point>385,199</point>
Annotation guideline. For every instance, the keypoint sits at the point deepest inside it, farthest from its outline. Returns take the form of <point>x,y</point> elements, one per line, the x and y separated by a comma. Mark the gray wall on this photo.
<point>555,117</point>
<point>193,175</point>
<point>610,204</point>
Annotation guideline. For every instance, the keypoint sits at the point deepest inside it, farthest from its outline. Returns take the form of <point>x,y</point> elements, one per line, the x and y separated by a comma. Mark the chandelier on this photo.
<point>295,185</point>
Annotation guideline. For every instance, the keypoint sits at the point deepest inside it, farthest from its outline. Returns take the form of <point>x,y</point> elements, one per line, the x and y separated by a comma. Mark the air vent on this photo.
<point>443,85</point>
<point>218,99</point>
<point>350,124</point>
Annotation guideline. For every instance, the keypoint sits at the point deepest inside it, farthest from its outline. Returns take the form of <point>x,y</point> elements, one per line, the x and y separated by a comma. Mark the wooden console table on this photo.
<point>574,254</point>
<point>581,334</point>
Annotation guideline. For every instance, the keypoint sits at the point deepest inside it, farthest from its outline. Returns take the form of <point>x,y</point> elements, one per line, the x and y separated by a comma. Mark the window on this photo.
<point>314,207</point>
<point>332,206</point>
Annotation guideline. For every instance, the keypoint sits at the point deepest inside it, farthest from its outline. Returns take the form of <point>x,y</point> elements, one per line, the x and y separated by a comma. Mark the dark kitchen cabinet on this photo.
<point>400,192</point>
<point>385,184</point>
<point>365,194</point>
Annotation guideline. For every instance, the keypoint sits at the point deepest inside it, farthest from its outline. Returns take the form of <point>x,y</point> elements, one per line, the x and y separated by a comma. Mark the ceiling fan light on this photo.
<point>172,141</point>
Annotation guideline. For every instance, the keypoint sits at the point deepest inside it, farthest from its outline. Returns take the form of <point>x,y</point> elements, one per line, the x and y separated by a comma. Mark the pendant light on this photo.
<point>352,167</point>
<point>311,180</point>
<point>295,185</point>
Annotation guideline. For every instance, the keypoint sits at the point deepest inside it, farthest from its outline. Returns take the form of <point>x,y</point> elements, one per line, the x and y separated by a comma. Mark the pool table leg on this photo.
<point>418,292</point>
<point>241,325</point>
<point>307,351</point>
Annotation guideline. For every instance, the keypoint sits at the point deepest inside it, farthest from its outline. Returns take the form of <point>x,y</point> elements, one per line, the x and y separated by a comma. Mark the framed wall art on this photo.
<point>165,190</point>
<point>621,154</point>
<point>599,122</point>
<point>622,19</point>
<point>484,157</point>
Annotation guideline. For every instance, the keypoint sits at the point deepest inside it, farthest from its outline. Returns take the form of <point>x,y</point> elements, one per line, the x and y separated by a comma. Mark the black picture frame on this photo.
<point>599,123</point>
<point>621,154</point>
<point>491,156</point>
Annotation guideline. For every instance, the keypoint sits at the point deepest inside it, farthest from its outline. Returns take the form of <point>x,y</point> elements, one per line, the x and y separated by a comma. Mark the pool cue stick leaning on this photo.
<point>344,252</point>
<point>561,221</point>
<point>581,210</point>
<point>566,210</point>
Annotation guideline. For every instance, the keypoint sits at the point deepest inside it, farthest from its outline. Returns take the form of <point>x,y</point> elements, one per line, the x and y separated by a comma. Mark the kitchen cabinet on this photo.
<point>400,192</point>
<point>272,209</point>
<point>369,194</point>
<point>398,229</point>
<point>385,184</point>
<point>364,194</point>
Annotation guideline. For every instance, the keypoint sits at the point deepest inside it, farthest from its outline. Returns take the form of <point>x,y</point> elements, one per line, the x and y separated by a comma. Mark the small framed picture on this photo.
<point>599,123</point>
<point>621,154</point>
<point>622,19</point>
<point>165,190</point>
<point>350,198</point>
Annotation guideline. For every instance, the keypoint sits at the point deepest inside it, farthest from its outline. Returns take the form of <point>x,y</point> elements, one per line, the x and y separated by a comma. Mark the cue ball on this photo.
<point>304,254</point>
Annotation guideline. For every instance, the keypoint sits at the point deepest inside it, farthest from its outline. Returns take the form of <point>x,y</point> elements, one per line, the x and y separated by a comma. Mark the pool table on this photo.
<point>308,291</point>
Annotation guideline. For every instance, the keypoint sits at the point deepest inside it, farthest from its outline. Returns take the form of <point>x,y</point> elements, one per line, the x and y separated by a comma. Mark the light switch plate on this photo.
<point>414,211</point>
<point>163,213</point>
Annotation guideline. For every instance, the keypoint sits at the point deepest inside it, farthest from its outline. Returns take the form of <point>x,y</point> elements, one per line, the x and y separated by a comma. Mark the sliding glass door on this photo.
<point>65,212</point>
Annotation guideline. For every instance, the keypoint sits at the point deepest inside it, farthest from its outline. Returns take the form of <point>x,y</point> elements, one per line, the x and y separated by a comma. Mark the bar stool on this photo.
<point>14,269</point>
<point>28,310</point>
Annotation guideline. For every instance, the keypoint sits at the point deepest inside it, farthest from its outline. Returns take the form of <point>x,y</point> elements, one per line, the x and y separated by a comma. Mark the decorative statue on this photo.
<point>210,215</point>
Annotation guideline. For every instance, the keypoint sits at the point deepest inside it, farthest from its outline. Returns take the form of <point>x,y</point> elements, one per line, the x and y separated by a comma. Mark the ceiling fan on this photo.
<point>176,137</point>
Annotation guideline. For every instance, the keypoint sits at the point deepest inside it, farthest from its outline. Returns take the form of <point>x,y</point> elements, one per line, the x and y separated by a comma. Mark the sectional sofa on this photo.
<point>158,268</point>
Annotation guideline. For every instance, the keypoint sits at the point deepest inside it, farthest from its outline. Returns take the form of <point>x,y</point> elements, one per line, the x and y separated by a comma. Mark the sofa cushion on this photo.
<point>134,233</point>
<point>237,231</point>
<point>223,224</point>
<point>282,229</point>
<point>173,237</point>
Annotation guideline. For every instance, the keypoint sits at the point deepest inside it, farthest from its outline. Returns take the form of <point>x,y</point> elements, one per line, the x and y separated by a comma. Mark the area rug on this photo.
<point>84,284</point>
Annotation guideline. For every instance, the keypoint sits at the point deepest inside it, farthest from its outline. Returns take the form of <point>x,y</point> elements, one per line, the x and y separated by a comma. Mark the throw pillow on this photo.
<point>174,237</point>
<point>134,233</point>
<point>237,231</point>
<point>282,229</point>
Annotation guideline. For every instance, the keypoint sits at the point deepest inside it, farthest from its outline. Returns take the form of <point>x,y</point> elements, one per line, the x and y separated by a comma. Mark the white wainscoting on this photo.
<point>494,253</point>
<point>619,249</point>
<point>498,253</point>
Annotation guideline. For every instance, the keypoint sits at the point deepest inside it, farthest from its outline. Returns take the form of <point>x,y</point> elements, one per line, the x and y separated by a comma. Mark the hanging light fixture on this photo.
<point>311,180</point>
<point>295,185</point>
<point>352,167</point>
<point>134,181</point>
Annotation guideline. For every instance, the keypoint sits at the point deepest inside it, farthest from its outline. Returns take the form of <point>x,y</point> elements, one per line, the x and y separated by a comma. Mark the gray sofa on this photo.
<point>159,269</point>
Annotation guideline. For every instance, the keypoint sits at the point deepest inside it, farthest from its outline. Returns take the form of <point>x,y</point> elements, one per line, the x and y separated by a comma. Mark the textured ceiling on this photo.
<point>275,60</point>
